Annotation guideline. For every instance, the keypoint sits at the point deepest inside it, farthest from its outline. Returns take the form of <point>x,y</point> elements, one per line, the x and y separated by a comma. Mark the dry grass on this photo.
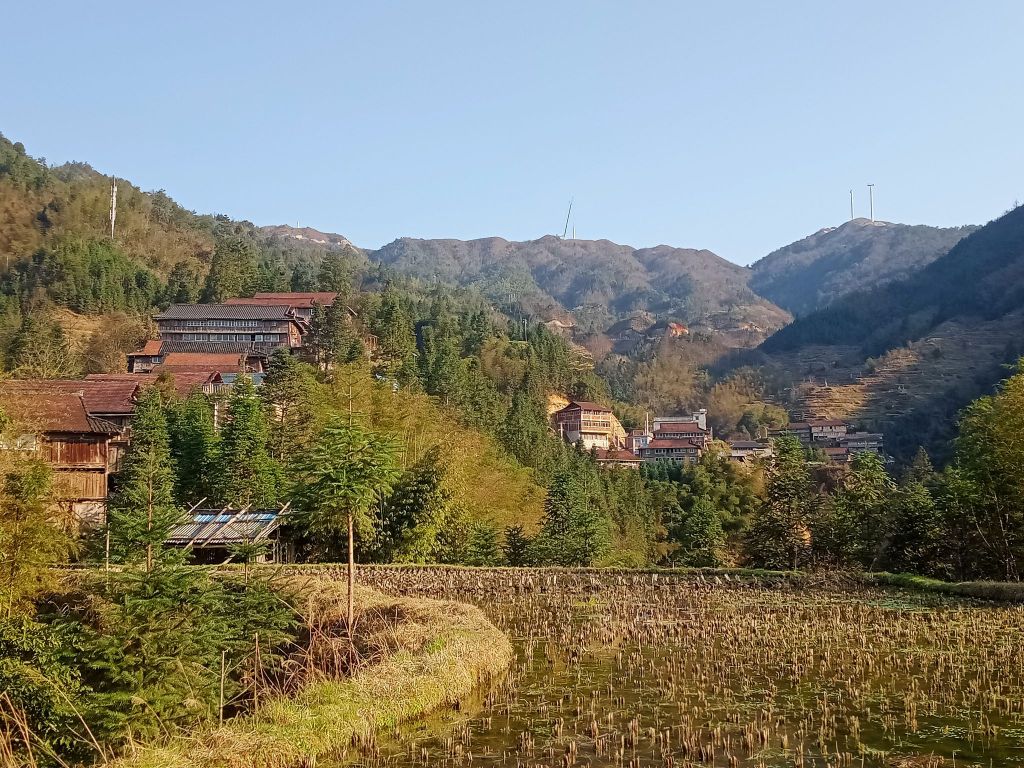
<point>418,655</point>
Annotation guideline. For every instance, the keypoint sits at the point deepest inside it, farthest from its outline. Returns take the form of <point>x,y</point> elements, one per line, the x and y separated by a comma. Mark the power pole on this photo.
<point>113,205</point>
<point>851,205</point>
<point>871,200</point>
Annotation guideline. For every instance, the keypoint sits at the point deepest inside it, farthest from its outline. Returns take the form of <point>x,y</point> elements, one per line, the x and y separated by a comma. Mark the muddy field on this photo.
<point>620,669</point>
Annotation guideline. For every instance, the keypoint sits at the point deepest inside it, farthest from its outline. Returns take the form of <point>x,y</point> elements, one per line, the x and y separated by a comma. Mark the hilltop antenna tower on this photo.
<point>113,204</point>
<point>567,215</point>
<point>852,217</point>
<point>871,200</point>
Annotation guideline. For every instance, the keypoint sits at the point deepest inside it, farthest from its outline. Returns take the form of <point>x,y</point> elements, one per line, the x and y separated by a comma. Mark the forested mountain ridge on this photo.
<point>858,255</point>
<point>599,280</point>
<point>905,357</point>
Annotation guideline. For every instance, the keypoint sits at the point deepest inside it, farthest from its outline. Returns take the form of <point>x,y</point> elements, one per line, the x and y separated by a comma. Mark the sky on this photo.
<point>733,126</point>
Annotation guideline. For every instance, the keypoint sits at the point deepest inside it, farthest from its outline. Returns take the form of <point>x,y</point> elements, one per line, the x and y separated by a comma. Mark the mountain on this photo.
<point>860,254</point>
<point>598,280</point>
<point>906,356</point>
<point>306,235</point>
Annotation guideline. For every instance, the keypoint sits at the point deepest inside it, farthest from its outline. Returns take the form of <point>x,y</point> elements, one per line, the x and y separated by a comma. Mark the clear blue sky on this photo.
<point>737,127</point>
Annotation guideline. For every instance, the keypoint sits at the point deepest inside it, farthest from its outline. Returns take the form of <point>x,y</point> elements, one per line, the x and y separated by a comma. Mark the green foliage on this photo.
<point>90,276</point>
<point>516,547</point>
<point>700,536</point>
<point>142,510</point>
<point>574,532</point>
<point>32,540</point>
<point>41,350</point>
<point>234,269</point>
<point>853,525</point>
<point>290,392</point>
<point>415,514</point>
<point>195,446</point>
<point>779,535</point>
<point>246,474</point>
<point>346,471</point>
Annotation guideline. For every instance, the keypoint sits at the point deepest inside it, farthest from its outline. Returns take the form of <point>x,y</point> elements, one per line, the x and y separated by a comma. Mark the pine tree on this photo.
<point>142,511</point>
<point>339,479</point>
<point>700,536</point>
<point>289,392</point>
<point>574,532</point>
<point>415,513</point>
<point>246,474</point>
<point>32,537</point>
<point>194,448</point>
<point>780,534</point>
<point>516,547</point>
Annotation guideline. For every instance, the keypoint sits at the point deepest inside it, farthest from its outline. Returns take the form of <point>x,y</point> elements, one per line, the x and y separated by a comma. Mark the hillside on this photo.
<point>861,254</point>
<point>905,357</point>
<point>600,281</point>
<point>306,235</point>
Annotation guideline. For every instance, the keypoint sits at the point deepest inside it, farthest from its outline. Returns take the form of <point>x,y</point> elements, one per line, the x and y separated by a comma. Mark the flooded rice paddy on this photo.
<point>639,670</point>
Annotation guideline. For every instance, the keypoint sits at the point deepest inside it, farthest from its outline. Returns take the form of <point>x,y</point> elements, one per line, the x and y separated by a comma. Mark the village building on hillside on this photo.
<point>700,418</point>
<point>302,303</point>
<point>590,424</point>
<point>265,327</point>
<point>815,431</point>
<point>617,457</point>
<point>59,428</point>
<point>237,336</point>
<point>678,450</point>
<point>834,438</point>
<point>863,442</point>
<point>637,440</point>
<point>749,450</point>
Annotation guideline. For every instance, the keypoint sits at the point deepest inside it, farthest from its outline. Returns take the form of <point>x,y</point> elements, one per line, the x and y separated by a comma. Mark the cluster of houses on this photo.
<point>834,438</point>
<point>82,426</point>
<point>684,439</point>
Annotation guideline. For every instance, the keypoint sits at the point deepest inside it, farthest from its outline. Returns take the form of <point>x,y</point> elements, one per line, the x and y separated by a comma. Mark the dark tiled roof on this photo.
<point>616,454</point>
<point>210,361</point>
<point>746,444</point>
<point>101,396</point>
<point>185,382</point>
<point>667,443</point>
<point>587,406</point>
<point>208,347</point>
<point>302,300</point>
<point>226,312</point>
<point>53,411</point>
<point>680,428</point>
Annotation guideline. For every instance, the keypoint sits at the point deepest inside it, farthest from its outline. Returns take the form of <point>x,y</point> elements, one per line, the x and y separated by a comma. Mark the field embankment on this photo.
<point>421,655</point>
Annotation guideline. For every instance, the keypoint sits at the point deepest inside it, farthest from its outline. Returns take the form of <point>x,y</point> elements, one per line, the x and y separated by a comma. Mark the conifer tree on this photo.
<point>346,471</point>
<point>142,511</point>
<point>700,536</point>
<point>780,535</point>
<point>194,448</point>
<point>289,393</point>
<point>246,474</point>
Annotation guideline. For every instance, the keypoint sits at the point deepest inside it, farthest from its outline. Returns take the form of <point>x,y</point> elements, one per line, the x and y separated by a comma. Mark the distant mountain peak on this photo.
<point>856,255</point>
<point>307,234</point>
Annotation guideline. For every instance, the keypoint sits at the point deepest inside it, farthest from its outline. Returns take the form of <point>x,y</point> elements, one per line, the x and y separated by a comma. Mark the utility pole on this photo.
<point>113,204</point>
<point>851,205</point>
<point>871,200</point>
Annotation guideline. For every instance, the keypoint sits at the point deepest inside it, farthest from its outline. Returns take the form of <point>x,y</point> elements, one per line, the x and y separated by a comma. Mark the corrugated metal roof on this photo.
<point>218,528</point>
<point>226,312</point>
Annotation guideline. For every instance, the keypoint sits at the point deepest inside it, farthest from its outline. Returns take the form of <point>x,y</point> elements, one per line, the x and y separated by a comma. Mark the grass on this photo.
<point>997,591</point>
<point>428,654</point>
